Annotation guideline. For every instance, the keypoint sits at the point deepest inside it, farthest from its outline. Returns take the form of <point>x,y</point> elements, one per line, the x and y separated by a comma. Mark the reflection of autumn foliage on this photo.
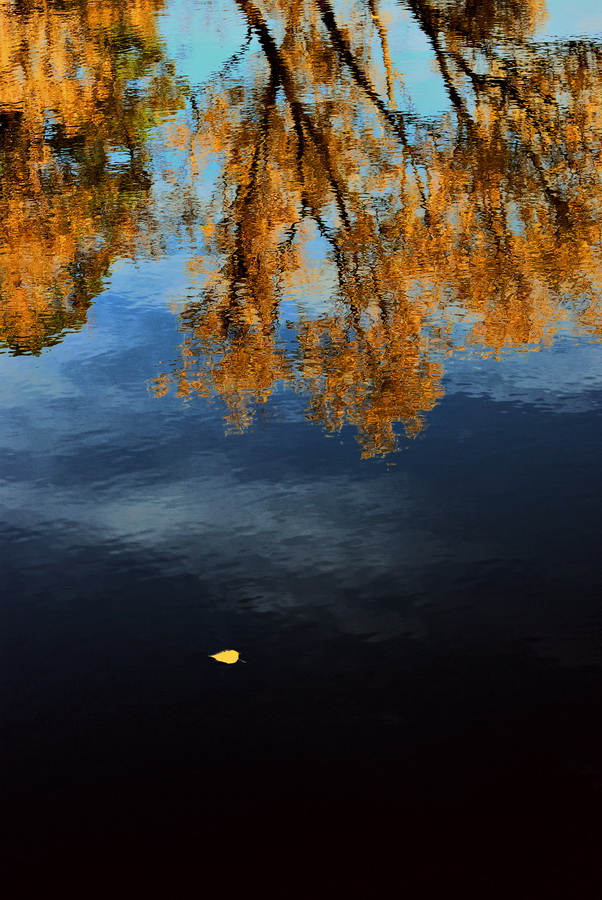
<point>370,377</point>
<point>80,86</point>
<point>406,239</point>
<point>481,229</point>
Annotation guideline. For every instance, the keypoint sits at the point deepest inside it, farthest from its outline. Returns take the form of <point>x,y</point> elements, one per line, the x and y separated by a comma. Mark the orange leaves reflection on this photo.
<point>80,87</point>
<point>337,242</point>
<point>480,230</point>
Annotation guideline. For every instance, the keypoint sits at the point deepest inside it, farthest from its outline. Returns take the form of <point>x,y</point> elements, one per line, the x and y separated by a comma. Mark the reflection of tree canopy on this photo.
<point>407,238</point>
<point>488,218</point>
<point>81,83</point>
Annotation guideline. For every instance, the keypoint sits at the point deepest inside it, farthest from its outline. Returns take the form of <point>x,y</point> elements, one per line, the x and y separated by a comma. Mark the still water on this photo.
<point>300,323</point>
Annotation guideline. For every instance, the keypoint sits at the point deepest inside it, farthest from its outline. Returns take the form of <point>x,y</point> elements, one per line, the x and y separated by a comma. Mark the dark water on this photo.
<point>300,317</point>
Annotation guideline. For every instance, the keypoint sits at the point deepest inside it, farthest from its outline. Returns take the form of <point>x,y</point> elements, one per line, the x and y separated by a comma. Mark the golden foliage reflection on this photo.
<point>346,245</point>
<point>478,231</point>
<point>81,84</point>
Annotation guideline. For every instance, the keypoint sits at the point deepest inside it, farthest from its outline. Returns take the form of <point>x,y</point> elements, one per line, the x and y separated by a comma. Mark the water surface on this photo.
<point>300,318</point>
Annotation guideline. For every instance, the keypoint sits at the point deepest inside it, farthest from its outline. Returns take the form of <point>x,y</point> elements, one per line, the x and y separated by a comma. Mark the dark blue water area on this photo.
<point>420,697</point>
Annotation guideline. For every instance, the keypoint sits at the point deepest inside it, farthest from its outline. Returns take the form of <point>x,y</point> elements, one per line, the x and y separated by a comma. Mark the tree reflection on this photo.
<point>408,239</point>
<point>479,230</point>
<point>81,84</point>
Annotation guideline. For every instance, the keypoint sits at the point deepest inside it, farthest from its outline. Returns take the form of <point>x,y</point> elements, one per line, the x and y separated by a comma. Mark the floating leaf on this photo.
<point>227,656</point>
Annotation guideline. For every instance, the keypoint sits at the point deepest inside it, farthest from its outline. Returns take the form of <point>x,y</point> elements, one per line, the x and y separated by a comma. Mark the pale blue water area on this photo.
<point>199,41</point>
<point>568,20</point>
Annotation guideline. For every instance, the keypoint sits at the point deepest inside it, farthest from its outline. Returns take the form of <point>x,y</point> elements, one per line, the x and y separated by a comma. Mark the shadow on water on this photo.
<point>152,765</point>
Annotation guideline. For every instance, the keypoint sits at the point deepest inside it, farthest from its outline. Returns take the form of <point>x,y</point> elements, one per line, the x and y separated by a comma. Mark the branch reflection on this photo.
<point>81,85</point>
<point>347,245</point>
<point>415,238</point>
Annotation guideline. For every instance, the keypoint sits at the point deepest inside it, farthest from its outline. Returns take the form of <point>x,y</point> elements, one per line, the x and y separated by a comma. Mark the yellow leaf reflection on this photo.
<point>227,656</point>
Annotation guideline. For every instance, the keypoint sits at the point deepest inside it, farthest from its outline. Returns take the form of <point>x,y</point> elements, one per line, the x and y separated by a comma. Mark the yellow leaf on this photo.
<point>227,656</point>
